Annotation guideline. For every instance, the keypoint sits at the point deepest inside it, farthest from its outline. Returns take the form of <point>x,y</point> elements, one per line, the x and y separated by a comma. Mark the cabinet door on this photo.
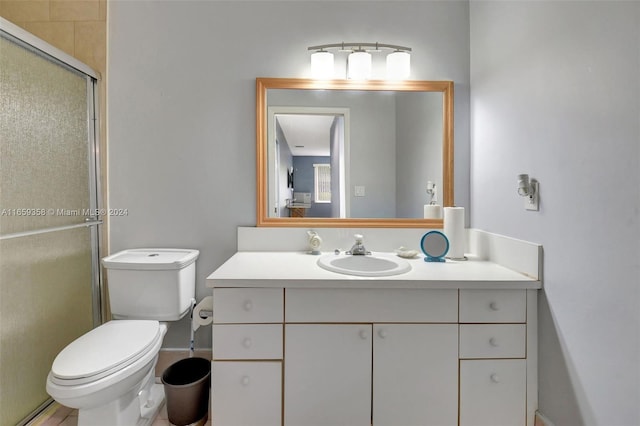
<point>327,375</point>
<point>415,374</point>
<point>246,393</point>
<point>493,392</point>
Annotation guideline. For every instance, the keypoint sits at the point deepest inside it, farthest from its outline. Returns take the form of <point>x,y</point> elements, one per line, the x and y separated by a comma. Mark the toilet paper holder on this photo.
<point>204,313</point>
<point>201,314</point>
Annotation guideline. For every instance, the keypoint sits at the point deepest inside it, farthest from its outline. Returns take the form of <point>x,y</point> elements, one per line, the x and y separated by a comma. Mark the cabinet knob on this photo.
<point>248,305</point>
<point>382,333</point>
<point>245,381</point>
<point>364,334</point>
<point>246,343</point>
<point>495,378</point>
<point>494,306</point>
<point>493,342</point>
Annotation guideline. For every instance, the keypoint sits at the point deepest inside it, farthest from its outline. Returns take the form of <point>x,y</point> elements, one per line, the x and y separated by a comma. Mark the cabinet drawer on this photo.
<point>493,306</point>
<point>246,393</point>
<point>262,341</point>
<point>247,305</point>
<point>492,340</point>
<point>493,392</point>
<point>371,305</point>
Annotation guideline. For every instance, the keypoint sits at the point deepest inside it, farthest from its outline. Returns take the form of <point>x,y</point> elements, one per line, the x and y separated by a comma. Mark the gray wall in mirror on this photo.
<point>395,147</point>
<point>182,110</point>
<point>418,151</point>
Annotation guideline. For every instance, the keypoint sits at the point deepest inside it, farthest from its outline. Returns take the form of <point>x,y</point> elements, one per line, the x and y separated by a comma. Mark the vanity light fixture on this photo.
<point>359,65</point>
<point>528,189</point>
<point>398,65</point>
<point>359,61</point>
<point>322,65</point>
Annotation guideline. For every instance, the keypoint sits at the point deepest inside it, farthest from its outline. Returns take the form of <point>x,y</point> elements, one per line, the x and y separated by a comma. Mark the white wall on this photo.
<point>556,94</point>
<point>181,111</point>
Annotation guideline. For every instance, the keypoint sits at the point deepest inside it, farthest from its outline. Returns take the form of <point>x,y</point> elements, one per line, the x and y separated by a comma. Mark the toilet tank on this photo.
<point>154,284</point>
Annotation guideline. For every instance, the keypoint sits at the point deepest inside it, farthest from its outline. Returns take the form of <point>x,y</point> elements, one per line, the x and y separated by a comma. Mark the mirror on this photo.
<point>352,153</point>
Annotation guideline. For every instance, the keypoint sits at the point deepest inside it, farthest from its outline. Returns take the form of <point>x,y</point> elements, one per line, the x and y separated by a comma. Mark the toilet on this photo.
<point>108,373</point>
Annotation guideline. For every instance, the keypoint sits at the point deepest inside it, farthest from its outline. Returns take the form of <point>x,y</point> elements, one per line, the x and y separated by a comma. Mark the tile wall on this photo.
<point>77,27</point>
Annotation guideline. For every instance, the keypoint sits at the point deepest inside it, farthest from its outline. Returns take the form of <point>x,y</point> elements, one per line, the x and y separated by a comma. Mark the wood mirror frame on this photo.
<point>264,84</point>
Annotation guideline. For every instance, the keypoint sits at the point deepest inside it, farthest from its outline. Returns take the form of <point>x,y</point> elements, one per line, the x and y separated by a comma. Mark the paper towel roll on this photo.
<point>454,230</point>
<point>199,319</point>
<point>432,211</point>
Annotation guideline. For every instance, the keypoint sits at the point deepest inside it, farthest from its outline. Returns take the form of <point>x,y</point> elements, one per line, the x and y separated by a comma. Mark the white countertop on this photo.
<point>300,270</point>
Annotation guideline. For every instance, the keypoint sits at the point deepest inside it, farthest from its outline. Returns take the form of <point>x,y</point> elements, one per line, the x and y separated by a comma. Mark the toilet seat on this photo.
<point>105,350</point>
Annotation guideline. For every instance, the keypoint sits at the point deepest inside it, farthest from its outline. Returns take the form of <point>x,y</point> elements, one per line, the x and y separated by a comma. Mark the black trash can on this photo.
<point>186,387</point>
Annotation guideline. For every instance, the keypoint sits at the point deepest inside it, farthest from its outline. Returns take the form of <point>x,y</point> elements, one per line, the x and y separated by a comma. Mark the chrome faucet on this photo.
<point>358,248</point>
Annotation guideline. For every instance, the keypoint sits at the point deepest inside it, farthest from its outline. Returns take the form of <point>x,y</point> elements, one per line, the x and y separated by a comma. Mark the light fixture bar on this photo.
<point>359,46</point>
<point>359,60</point>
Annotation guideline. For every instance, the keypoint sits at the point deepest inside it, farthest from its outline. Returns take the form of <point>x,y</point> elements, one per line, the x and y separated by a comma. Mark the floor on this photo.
<point>58,415</point>
<point>63,416</point>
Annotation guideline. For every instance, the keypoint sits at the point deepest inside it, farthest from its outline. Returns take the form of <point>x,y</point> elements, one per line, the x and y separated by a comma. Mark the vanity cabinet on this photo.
<point>386,356</point>
<point>246,377</point>
<point>304,353</point>
<point>493,392</point>
<point>415,371</point>
<point>493,358</point>
<point>452,343</point>
<point>381,357</point>
<point>246,393</point>
<point>402,374</point>
<point>327,378</point>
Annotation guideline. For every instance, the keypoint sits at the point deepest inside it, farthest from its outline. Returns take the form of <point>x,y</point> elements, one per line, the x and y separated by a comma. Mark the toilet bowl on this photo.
<point>108,373</point>
<point>111,361</point>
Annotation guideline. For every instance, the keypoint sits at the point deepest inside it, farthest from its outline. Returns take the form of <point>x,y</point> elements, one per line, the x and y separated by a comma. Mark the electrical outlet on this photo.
<point>531,201</point>
<point>358,191</point>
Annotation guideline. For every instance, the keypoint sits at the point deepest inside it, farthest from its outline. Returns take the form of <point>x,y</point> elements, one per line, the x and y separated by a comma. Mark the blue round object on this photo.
<point>434,244</point>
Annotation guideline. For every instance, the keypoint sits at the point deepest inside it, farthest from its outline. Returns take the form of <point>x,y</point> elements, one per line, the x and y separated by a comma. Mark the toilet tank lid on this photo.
<point>151,258</point>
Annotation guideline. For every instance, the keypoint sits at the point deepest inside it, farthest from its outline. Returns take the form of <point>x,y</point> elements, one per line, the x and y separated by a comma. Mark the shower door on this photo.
<point>49,271</point>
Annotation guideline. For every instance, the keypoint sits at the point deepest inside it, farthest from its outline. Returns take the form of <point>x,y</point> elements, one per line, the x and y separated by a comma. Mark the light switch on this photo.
<point>359,191</point>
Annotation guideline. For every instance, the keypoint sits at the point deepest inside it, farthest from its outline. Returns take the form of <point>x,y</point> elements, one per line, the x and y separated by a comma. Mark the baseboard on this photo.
<point>542,420</point>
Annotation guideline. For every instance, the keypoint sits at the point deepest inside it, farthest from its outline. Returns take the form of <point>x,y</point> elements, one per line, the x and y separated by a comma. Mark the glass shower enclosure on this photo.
<point>49,214</point>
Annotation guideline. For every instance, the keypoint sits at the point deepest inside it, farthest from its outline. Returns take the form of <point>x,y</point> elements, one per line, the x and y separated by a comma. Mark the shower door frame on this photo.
<point>43,49</point>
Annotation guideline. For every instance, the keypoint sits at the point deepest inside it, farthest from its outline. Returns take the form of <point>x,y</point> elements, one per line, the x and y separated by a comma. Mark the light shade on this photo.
<point>359,65</point>
<point>322,65</point>
<point>398,65</point>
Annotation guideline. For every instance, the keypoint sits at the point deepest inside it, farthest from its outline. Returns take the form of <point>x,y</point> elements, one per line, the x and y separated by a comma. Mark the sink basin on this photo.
<point>374,265</point>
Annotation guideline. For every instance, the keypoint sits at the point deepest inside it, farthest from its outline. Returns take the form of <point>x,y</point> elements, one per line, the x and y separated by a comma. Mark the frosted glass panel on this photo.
<point>45,303</point>
<point>44,173</point>
<point>46,279</point>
